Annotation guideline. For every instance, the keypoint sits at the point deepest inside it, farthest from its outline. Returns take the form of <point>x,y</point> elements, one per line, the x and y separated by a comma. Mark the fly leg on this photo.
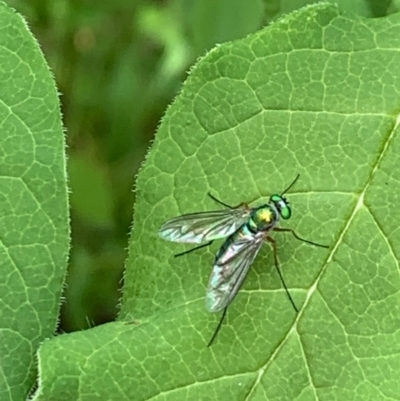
<point>218,327</point>
<point>194,249</point>
<point>245,205</point>
<point>218,201</point>
<point>290,230</point>
<point>273,243</point>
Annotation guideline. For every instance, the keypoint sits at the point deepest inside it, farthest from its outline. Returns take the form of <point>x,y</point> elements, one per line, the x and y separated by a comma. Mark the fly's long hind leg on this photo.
<point>218,327</point>
<point>273,243</point>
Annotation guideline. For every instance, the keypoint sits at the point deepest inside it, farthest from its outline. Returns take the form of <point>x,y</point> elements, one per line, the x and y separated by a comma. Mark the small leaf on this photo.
<point>33,204</point>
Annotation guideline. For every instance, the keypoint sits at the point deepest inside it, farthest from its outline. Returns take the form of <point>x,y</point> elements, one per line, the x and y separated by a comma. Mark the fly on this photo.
<point>245,230</point>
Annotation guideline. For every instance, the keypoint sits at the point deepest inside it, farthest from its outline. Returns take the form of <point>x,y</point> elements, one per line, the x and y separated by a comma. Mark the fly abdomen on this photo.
<point>234,243</point>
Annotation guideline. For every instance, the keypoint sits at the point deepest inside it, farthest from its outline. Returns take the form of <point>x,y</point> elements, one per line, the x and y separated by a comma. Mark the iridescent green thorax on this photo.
<point>263,218</point>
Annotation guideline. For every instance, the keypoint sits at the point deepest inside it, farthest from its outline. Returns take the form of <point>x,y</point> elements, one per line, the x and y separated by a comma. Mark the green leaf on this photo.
<point>33,203</point>
<point>360,7</point>
<point>315,93</point>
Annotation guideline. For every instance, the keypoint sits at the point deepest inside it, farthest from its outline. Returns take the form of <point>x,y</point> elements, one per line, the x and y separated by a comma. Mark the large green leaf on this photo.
<point>360,7</point>
<point>33,205</point>
<point>315,93</point>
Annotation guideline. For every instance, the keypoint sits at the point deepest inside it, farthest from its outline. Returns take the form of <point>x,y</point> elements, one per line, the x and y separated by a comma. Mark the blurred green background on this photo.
<point>118,64</point>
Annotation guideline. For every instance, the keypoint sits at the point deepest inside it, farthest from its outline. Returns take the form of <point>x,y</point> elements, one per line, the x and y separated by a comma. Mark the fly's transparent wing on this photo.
<point>231,265</point>
<point>201,227</point>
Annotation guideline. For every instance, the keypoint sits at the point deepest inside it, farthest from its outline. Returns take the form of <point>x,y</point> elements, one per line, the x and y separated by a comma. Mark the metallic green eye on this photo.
<point>282,205</point>
<point>286,212</point>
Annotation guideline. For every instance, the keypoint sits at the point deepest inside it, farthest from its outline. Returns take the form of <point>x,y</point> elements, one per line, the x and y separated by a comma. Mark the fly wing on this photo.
<point>201,227</point>
<point>230,269</point>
